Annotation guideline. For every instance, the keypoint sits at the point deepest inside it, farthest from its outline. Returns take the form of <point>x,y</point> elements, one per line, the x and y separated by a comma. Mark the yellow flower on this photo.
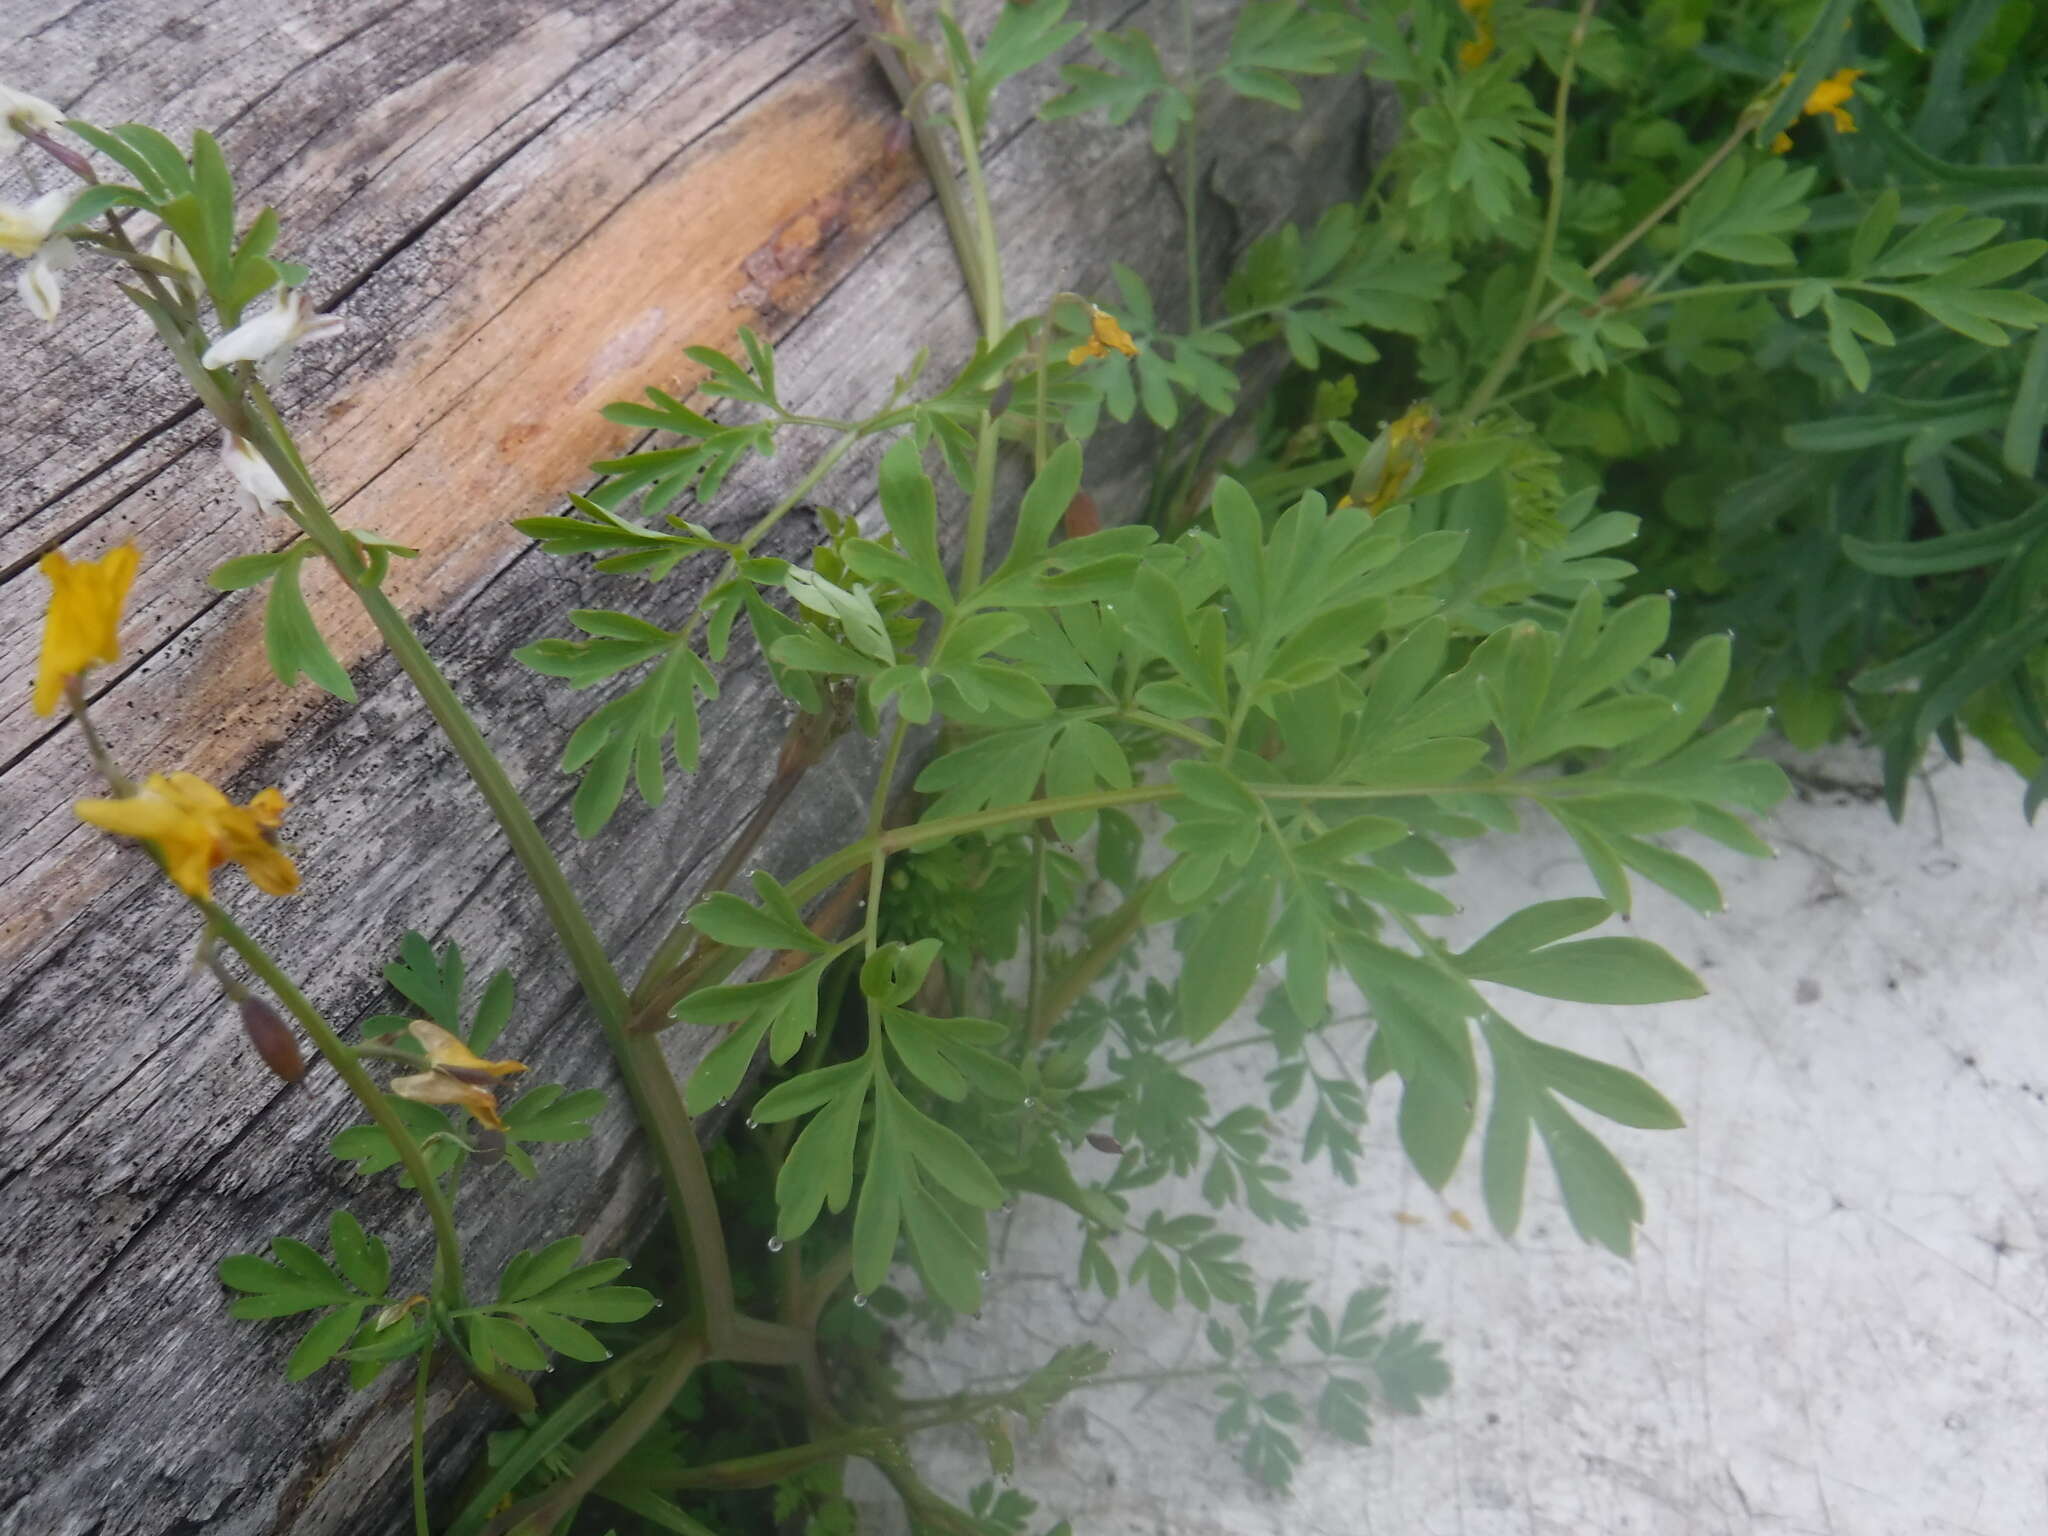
<point>196,829</point>
<point>1105,335</point>
<point>1828,99</point>
<point>84,615</point>
<point>1831,95</point>
<point>1479,48</point>
<point>457,1075</point>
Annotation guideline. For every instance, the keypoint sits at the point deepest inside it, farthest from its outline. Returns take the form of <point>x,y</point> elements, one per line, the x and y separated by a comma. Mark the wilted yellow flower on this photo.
<point>1393,463</point>
<point>80,627</point>
<point>196,829</point>
<point>1479,48</point>
<point>457,1075</point>
<point>1105,335</point>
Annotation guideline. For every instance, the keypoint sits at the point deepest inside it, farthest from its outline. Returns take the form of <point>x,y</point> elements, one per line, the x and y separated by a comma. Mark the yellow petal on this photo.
<point>81,625</point>
<point>1782,144</point>
<point>437,1088</point>
<point>446,1050</point>
<point>185,842</point>
<point>1106,332</point>
<point>1832,92</point>
<point>149,814</point>
<point>269,869</point>
<point>196,829</point>
<point>1086,352</point>
<point>198,797</point>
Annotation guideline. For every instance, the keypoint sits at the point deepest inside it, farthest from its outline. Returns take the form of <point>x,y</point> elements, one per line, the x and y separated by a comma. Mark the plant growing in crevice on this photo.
<point>1340,647</point>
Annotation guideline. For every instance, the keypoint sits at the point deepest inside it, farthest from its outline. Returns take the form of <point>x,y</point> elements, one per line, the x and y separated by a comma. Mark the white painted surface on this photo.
<point>1837,1320</point>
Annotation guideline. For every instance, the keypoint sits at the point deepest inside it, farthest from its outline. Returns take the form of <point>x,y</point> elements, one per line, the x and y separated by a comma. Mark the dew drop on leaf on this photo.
<point>775,1245</point>
<point>860,1298</point>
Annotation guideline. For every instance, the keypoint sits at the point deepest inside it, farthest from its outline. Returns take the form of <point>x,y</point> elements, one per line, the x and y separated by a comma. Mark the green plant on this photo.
<point>1387,624</point>
<point>1823,380</point>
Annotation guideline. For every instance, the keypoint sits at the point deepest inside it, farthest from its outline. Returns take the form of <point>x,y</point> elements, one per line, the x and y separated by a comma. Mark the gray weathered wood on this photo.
<point>525,208</point>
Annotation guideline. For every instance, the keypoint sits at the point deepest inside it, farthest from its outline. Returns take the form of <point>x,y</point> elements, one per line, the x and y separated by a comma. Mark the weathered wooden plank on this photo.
<point>529,208</point>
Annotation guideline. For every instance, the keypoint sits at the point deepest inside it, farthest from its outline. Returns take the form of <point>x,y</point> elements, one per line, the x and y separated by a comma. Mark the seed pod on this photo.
<point>273,1039</point>
<point>1082,517</point>
<point>1102,1141</point>
<point>489,1145</point>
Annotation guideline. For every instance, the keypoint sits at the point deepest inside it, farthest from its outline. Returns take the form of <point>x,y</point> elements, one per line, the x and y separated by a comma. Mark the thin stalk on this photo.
<point>836,866</point>
<point>1117,930</point>
<point>447,1244</point>
<point>1519,343</point>
<point>687,1352</point>
<point>938,165</point>
<point>975,552</point>
<point>1034,924</point>
<point>878,806</point>
<point>547,1432</point>
<point>1553,216</point>
<point>103,762</point>
<point>987,247</point>
<point>1664,209</point>
<point>827,460</point>
<point>692,1205</point>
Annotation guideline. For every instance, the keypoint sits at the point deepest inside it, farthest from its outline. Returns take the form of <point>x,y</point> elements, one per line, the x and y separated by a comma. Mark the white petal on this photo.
<point>39,288</point>
<point>25,226</point>
<point>255,339</point>
<point>21,112</point>
<point>252,472</point>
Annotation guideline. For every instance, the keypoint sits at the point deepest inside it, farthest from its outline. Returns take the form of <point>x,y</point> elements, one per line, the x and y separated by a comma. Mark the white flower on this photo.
<point>252,472</point>
<point>37,281</point>
<point>22,113</point>
<point>25,231</point>
<point>268,340</point>
<point>25,226</point>
<point>170,250</point>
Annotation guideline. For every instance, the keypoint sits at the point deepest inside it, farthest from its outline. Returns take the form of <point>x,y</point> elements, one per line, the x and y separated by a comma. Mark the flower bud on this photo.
<point>273,1039</point>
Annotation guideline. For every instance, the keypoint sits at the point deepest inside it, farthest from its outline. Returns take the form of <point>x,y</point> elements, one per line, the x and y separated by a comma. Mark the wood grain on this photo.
<point>525,208</point>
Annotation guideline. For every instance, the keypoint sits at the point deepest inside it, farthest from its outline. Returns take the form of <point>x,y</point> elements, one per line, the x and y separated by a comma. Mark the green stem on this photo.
<point>686,1352</point>
<point>447,1244</point>
<point>692,1205</point>
<point>877,807</point>
<point>938,165</point>
<point>1116,931</point>
<point>818,471</point>
<point>1519,343</point>
<point>1546,248</point>
<point>838,865</point>
<point>988,249</point>
<point>975,552</point>
<point>545,1433</point>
